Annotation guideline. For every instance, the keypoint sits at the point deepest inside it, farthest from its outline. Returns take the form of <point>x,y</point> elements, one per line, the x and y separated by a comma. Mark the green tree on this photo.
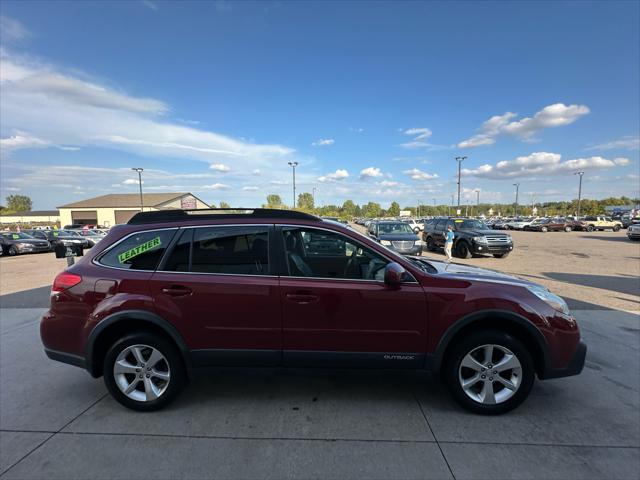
<point>224,205</point>
<point>371,209</point>
<point>349,208</point>
<point>274,201</point>
<point>394,209</point>
<point>305,201</point>
<point>19,203</point>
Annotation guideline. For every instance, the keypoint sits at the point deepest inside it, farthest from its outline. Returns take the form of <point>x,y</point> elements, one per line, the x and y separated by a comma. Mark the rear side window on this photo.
<point>231,250</point>
<point>140,251</point>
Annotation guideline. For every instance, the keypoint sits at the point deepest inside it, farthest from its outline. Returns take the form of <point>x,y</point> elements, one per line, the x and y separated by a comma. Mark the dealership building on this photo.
<point>31,217</point>
<point>115,208</point>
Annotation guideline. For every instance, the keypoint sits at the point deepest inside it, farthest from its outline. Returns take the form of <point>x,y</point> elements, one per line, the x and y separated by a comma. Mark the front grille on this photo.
<point>498,239</point>
<point>402,244</point>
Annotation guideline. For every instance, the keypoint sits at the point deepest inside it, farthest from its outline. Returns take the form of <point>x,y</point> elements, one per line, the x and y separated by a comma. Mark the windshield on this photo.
<point>470,225</point>
<point>391,228</point>
<point>16,236</point>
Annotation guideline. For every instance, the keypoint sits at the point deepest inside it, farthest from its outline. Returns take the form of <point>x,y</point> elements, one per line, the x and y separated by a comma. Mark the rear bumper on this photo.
<point>67,358</point>
<point>574,367</point>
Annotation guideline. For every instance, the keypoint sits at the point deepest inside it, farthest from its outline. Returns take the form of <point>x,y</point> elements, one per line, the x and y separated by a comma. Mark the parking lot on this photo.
<point>58,422</point>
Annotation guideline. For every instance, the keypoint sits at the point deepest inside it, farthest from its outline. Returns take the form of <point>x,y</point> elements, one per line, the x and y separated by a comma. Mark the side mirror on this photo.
<point>394,274</point>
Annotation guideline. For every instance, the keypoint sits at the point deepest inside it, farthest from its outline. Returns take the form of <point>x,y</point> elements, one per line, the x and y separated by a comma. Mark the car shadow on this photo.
<point>627,284</point>
<point>607,238</point>
<point>33,298</point>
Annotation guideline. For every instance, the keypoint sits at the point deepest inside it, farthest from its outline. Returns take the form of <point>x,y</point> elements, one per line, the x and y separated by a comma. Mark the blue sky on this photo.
<point>373,99</point>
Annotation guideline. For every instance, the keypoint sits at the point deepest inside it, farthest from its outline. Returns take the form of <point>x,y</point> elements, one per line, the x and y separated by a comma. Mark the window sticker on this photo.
<point>15,236</point>
<point>56,234</point>
<point>140,249</point>
<point>458,221</point>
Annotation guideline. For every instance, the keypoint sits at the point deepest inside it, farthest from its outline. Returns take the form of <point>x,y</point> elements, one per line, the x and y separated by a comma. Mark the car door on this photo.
<point>350,318</point>
<point>217,282</point>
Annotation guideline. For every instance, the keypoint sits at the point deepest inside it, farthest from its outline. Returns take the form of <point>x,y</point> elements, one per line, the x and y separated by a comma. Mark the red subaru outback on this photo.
<point>175,291</point>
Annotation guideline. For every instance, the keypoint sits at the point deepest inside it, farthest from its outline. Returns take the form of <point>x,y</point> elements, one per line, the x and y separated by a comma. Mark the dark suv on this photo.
<point>175,291</point>
<point>471,237</point>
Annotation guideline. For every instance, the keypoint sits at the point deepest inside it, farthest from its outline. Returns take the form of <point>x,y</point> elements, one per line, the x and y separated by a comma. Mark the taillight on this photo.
<point>64,281</point>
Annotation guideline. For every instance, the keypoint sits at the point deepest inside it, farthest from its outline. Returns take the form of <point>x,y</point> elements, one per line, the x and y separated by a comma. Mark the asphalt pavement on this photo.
<point>57,422</point>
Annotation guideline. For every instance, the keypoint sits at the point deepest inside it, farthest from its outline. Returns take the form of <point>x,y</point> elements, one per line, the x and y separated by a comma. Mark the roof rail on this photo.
<point>163,216</point>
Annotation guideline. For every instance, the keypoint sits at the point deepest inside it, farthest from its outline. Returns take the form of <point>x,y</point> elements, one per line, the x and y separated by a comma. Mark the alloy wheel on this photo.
<point>142,373</point>
<point>490,374</point>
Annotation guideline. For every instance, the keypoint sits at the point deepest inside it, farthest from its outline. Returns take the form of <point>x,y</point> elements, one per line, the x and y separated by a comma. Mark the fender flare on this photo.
<point>141,315</point>
<point>506,315</point>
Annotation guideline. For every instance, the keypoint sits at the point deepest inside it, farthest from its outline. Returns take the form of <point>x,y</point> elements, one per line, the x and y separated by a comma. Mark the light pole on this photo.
<point>517,185</point>
<point>313,194</point>
<point>580,174</point>
<point>140,170</point>
<point>459,160</point>
<point>478,201</point>
<point>294,165</point>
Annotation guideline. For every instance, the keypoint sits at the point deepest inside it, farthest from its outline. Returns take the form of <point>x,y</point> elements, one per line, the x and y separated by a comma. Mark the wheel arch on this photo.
<point>118,324</point>
<point>509,322</point>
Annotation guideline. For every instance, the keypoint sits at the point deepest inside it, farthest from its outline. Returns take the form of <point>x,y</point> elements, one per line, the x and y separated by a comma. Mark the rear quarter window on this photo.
<point>140,251</point>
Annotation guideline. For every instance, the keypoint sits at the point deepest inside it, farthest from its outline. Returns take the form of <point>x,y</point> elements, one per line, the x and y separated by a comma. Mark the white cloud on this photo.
<point>12,30</point>
<point>331,177</point>
<point>150,5</point>
<point>21,140</point>
<point>250,188</point>
<point>55,106</point>
<point>551,116</point>
<point>323,142</point>
<point>217,186</point>
<point>220,167</point>
<point>131,181</point>
<point>256,171</point>
<point>370,172</point>
<point>357,130</point>
<point>419,133</point>
<point>417,174</point>
<point>622,143</point>
<point>388,183</point>
<point>278,182</point>
<point>420,139</point>
<point>540,163</point>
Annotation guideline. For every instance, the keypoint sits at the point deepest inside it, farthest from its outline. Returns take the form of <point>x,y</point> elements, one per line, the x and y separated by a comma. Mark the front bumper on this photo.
<point>415,250</point>
<point>33,249</point>
<point>491,249</point>
<point>633,235</point>
<point>574,367</point>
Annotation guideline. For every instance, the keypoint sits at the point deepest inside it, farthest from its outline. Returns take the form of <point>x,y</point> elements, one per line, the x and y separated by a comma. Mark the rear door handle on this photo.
<point>177,291</point>
<point>301,298</point>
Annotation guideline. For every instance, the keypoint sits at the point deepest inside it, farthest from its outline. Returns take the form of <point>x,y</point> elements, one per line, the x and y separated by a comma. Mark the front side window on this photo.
<point>231,250</point>
<point>140,251</point>
<point>323,254</point>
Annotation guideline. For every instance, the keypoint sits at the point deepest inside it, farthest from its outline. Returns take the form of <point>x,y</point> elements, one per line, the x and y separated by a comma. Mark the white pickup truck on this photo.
<point>599,223</point>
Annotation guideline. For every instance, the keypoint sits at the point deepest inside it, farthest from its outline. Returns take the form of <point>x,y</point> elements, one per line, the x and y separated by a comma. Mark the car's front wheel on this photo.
<point>13,251</point>
<point>463,250</point>
<point>489,372</point>
<point>143,371</point>
<point>567,229</point>
<point>616,228</point>
<point>430,245</point>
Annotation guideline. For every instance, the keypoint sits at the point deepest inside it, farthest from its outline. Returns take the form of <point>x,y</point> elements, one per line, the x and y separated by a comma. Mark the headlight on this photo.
<point>23,245</point>
<point>418,243</point>
<point>480,239</point>
<point>553,300</point>
<point>385,242</point>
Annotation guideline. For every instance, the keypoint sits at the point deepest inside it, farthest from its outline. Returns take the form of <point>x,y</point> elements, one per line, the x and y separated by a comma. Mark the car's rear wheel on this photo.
<point>430,246</point>
<point>489,372</point>
<point>567,229</point>
<point>13,251</point>
<point>616,228</point>
<point>544,229</point>
<point>143,371</point>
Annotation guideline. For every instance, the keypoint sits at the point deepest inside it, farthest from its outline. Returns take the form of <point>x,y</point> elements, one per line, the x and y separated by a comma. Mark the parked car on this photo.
<point>397,236</point>
<point>17,243</point>
<point>633,232</point>
<point>59,237</point>
<point>171,293</point>
<point>552,225</point>
<point>598,223</point>
<point>518,223</point>
<point>534,223</point>
<point>414,224</point>
<point>470,237</point>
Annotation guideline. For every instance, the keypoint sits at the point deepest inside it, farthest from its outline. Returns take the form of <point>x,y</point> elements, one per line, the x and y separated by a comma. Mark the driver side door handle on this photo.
<point>302,298</point>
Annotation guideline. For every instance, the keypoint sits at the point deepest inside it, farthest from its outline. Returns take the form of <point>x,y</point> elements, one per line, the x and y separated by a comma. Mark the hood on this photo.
<point>469,273</point>
<point>33,241</point>
<point>479,233</point>
<point>412,237</point>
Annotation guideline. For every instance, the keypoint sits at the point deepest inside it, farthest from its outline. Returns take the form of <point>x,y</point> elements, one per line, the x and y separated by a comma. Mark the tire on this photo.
<point>430,246</point>
<point>589,228</point>
<point>501,255</point>
<point>544,229</point>
<point>616,228</point>
<point>463,250</point>
<point>170,367</point>
<point>475,346</point>
<point>567,229</point>
<point>13,251</point>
